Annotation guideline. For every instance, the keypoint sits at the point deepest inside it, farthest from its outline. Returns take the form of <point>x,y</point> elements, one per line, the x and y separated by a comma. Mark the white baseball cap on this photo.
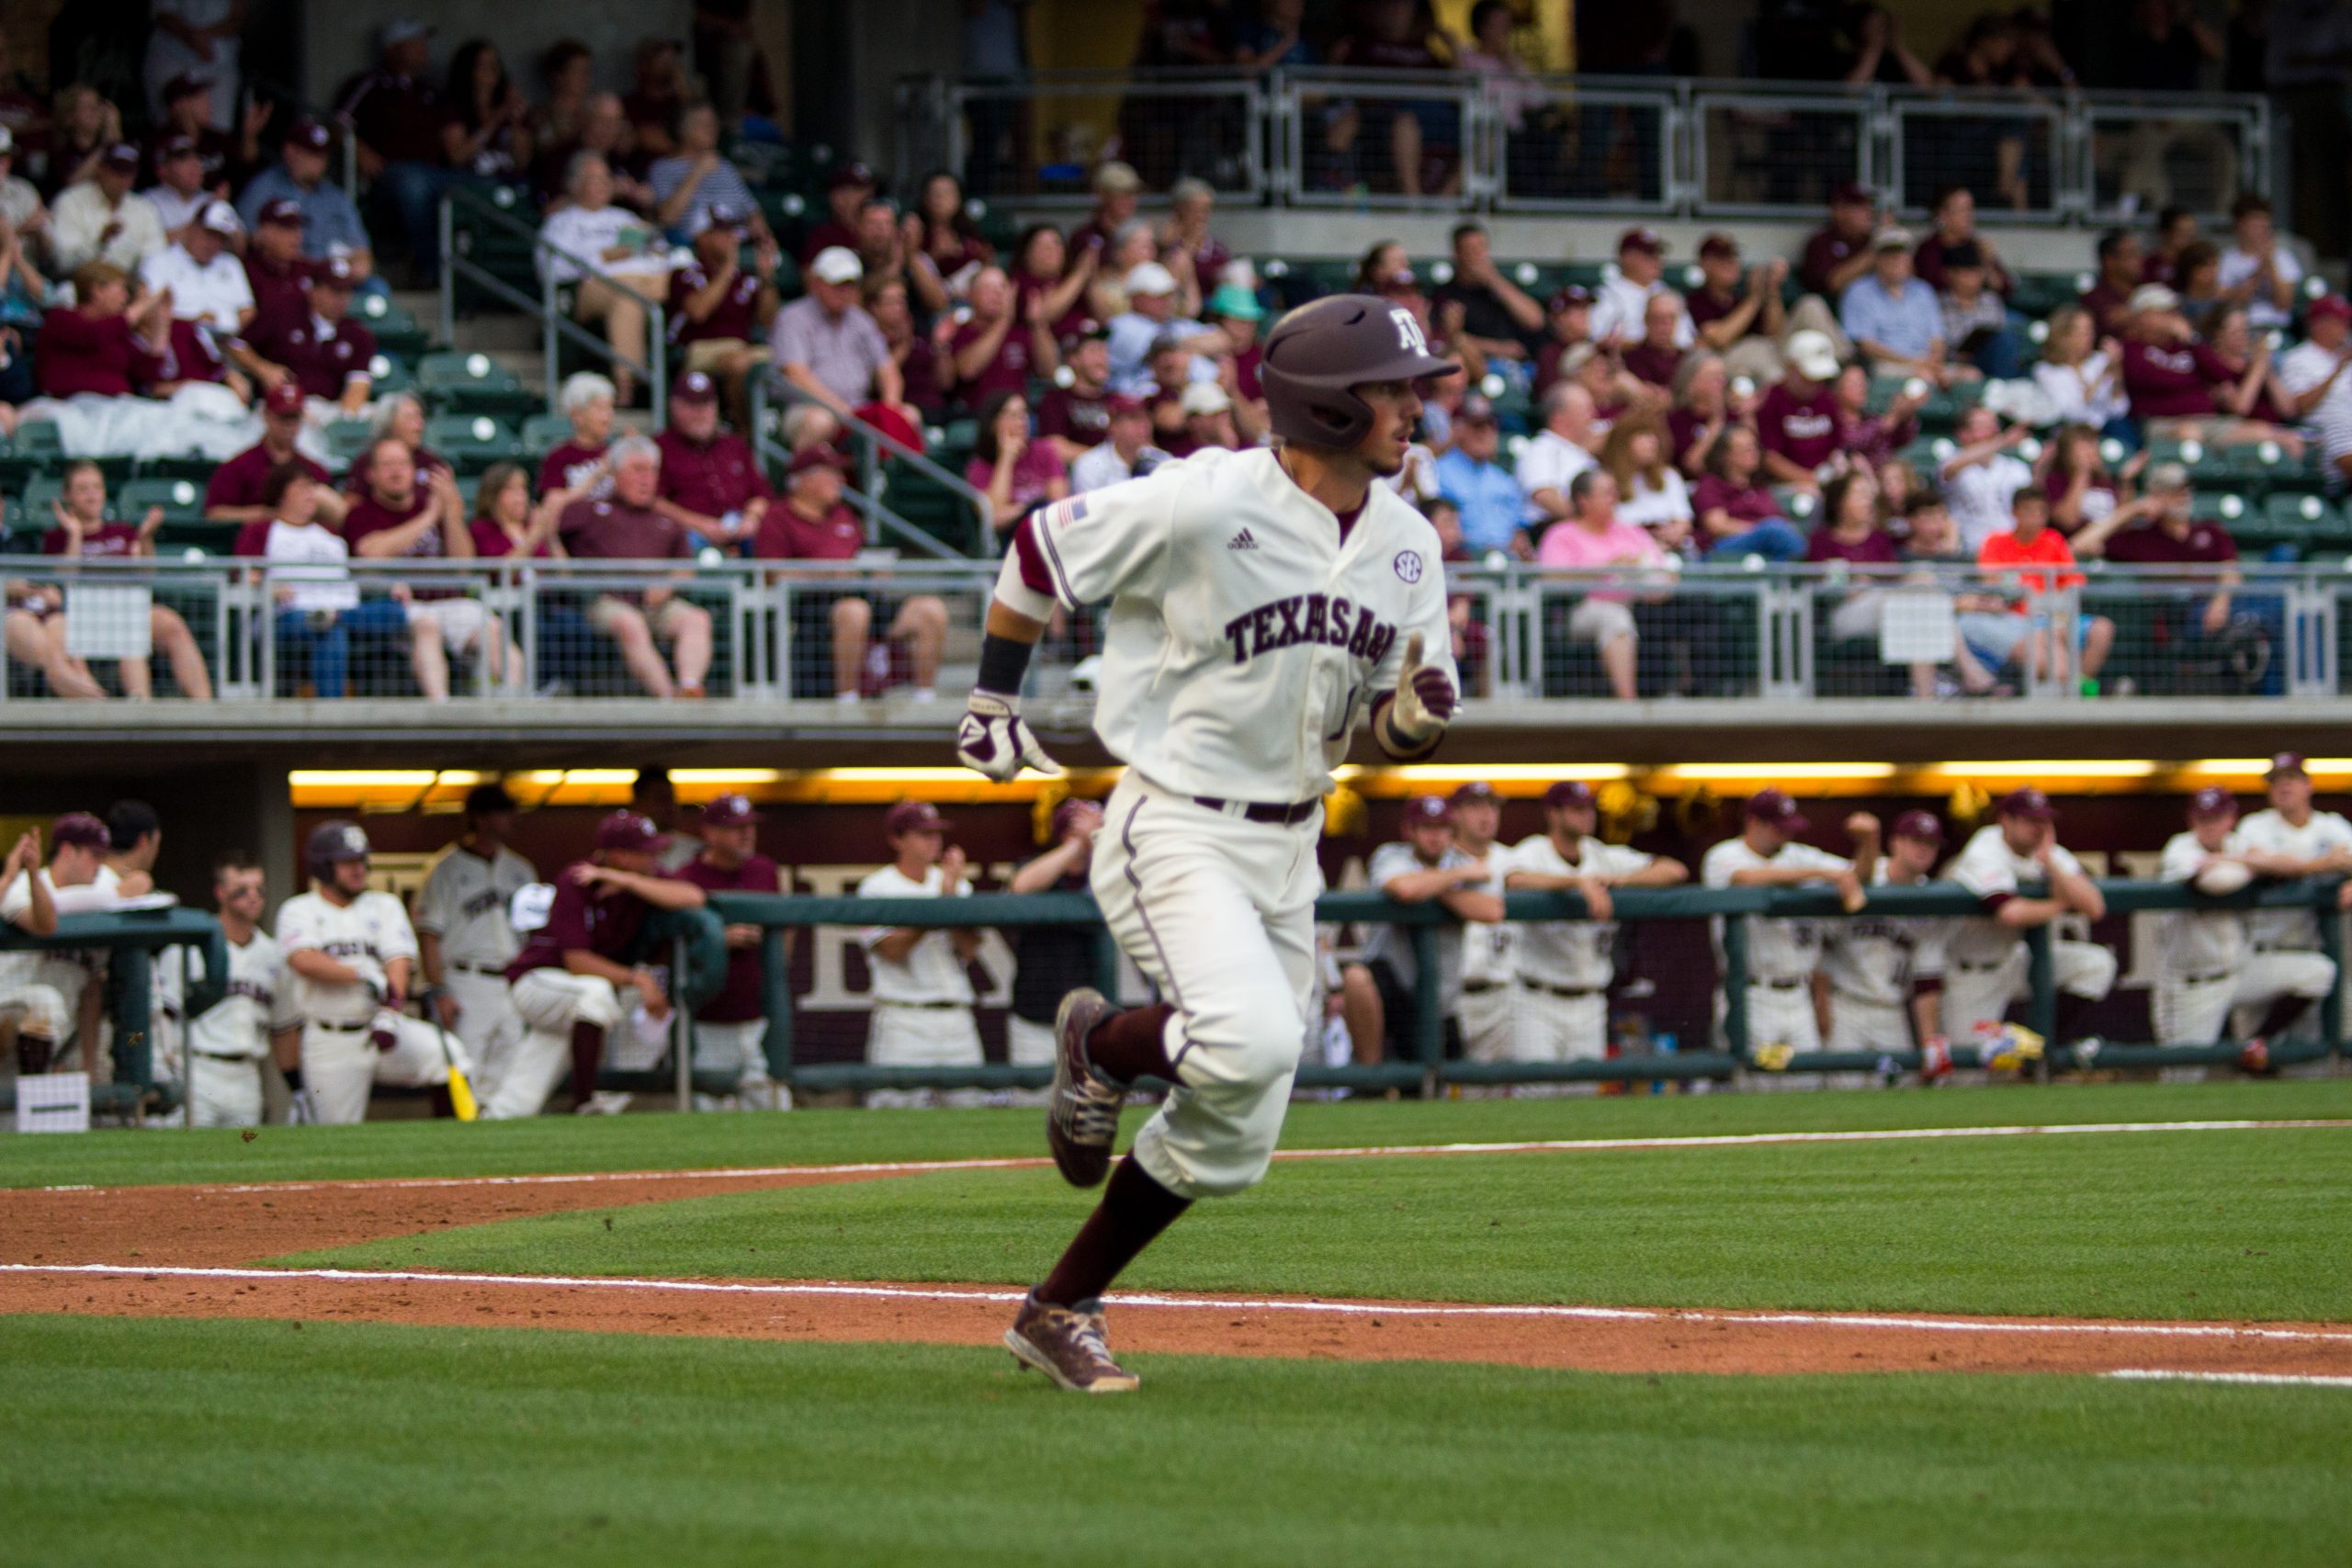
<point>1813,354</point>
<point>2151,297</point>
<point>1204,397</point>
<point>221,219</point>
<point>7,140</point>
<point>1149,277</point>
<point>837,265</point>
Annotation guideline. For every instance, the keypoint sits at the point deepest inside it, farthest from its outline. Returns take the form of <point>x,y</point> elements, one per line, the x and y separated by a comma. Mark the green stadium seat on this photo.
<point>390,375</point>
<point>471,442</point>
<point>2301,517</point>
<point>397,329</point>
<point>181,499</point>
<point>471,383</point>
<point>543,432</point>
<point>2223,507</point>
<point>31,514</point>
<point>347,438</point>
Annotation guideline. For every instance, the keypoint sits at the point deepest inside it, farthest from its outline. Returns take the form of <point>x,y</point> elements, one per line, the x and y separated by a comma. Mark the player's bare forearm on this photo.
<point>587,961</point>
<point>898,944</point>
<point>285,1047</point>
<point>2078,893</point>
<point>1928,1012</point>
<point>428,956</point>
<point>2025,913</point>
<point>1659,873</point>
<point>1471,904</point>
<point>318,968</point>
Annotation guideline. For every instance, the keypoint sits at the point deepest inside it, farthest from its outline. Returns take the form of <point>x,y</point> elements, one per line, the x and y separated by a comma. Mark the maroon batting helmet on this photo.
<point>1320,352</point>
<point>332,843</point>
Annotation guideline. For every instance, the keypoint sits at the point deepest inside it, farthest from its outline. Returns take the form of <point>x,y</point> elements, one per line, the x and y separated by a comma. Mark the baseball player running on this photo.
<point>1885,972</point>
<point>1490,948</point>
<point>465,936</point>
<point>1563,967</point>
<point>2291,839</point>
<point>1984,961</point>
<point>1260,603</point>
<point>1782,953</point>
<point>352,953</point>
<point>49,992</point>
<point>225,1046</point>
<point>2204,965</point>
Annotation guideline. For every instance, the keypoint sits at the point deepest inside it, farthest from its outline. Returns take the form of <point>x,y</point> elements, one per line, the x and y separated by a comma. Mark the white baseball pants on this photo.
<point>1974,994</point>
<point>341,1065</point>
<point>1219,914</point>
<point>486,1020</point>
<point>1028,1044</point>
<point>1859,1025</point>
<point>548,1002</point>
<point>2194,1010</point>
<point>39,1009</point>
<point>1488,1023</point>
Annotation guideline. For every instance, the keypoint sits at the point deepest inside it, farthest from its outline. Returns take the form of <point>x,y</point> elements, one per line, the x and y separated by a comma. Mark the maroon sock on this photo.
<point>587,1052</point>
<point>437,1096</point>
<point>33,1053</point>
<point>1132,1044</point>
<point>2281,1016</point>
<point>1134,1210</point>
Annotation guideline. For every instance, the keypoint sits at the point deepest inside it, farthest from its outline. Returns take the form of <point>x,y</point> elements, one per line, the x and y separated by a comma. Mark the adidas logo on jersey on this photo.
<point>1241,541</point>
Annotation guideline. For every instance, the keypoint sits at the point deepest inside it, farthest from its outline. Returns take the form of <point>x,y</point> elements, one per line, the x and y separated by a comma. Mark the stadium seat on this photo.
<point>31,512</point>
<point>35,448</point>
<point>2297,517</point>
<point>396,328</point>
<point>2223,507</point>
<point>543,432</point>
<point>181,499</point>
<point>470,383</point>
<point>471,442</point>
<point>347,438</point>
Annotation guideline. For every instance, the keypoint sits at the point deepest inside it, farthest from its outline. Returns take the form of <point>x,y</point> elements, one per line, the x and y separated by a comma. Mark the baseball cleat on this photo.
<point>1082,1108</point>
<point>1067,1344</point>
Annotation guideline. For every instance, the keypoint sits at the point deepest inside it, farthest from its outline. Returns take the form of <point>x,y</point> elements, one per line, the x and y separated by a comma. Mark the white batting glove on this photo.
<point>1426,700</point>
<point>994,741</point>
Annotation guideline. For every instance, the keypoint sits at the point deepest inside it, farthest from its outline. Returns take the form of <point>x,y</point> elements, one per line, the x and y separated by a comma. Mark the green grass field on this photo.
<point>267,1444</point>
<point>168,1443</point>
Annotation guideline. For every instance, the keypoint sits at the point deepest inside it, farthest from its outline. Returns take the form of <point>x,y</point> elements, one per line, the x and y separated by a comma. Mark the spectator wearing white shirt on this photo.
<point>2311,373</point>
<point>1650,490</point>
<point>208,283</point>
<point>1124,453</point>
<point>179,192</point>
<point>104,219</point>
<point>1783,953</point>
<point>922,992</point>
<point>614,259</point>
<point>2081,374</point>
<point>1982,477</point>
<point>1556,453</point>
<point>20,201</point>
<point>1619,313</point>
<point>2256,269</point>
<point>1151,317</point>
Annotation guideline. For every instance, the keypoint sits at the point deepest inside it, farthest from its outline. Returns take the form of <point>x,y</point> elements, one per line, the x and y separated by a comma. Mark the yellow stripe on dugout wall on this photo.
<point>434,791</point>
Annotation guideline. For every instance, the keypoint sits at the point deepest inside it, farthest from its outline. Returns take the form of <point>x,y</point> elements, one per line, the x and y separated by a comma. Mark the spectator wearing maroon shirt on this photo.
<point>731,1029</point>
<point>103,345</point>
<point>1015,471</point>
<point>323,351</point>
<point>233,494</point>
<point>574,980</point>
<point>2121,268</point>
<point>1798,421</point>
<point>399,515</point>
<point>1190,204</point>
<point>397,116</point>
<point>1734,512</point>
<point>627,526</point>
<point>711,482</point>
<point>1850,533</point>
<point>1116,188</point>
<point>274,264</point>
<point>1567,324</point>
<point>847,190</point>
<point>1707,401</point>
<point>2177,230</point>
<point>2230,330</point>
<point>1077,415</point>
<point>2174,536</point>
<point>401,417</point>
<point>927,369</point>
<point>581,463</point>
<point>507,523</point>
<point>83,530</point>
<point>1049,291</point>
<point>1873,439</point>
<point>719,313</point>
<point>1956,226</point>
<point>813,523</point>
<point>1741,321</point>
<point>2174,378</point>
<point>1421,135</point>
<point>941,246</point>
<point>1839,252</point>
<point>994,349</point>
<point>1234,311</point>
<point>1656,358</point>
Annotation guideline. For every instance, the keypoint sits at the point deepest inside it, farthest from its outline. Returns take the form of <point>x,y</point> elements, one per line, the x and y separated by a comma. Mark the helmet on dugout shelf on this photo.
<point>1320,352</point>
<point>330,843</point>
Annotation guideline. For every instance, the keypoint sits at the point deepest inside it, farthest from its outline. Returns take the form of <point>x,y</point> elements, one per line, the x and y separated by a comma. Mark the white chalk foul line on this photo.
<point>2268,1380</point>
<point>1384,1151</point>
<point>836,1291</point>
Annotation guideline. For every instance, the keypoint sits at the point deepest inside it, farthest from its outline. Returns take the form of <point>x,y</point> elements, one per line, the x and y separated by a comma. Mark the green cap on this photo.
<point>1232,299</point>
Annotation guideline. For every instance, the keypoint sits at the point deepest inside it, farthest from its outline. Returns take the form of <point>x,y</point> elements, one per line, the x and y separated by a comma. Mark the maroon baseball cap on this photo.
<point>1921,825</point>
<point>1423,808</point>
<point>284,398</point>
<point>1775,806</point>
<point>630,831</point>
<point>849,174</point>
<point>334,271</point>
<point>1568,792</point>
<point>695,386</point>
<point>1853,192</point>
<point>80,828</point>
<point>121,156</point>
<point>285,210</point>
<point>1476,792</point>
<point>1642,237</point>
<point>1719,246</point>
<point>823,455</point>
<point>307,133</point>
<point>1120,404</point>
<point>1474,410</point>
<point>730,811</point>
<point>1574,297</point>
<point>2030,803</point>
<point>914,816</point>
<point>2288,763</point>
<point>2212,801</point>
<point>2331,308</point>
<point>187,83</point>
<point>178,147</point>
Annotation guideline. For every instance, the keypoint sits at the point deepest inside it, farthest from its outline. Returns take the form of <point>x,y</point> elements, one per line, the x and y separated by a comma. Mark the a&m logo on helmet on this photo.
<point>355,841</point>
<point>1409,565</point>
<point>1409,332</point>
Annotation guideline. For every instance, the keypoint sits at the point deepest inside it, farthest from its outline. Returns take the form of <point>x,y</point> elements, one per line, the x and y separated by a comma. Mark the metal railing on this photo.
<point>1723,632</point>
<point>1318,136</point>
<point>493,210</point>
<point>1428,1067</point>
<point>131,938</point>
<point>875,452</point>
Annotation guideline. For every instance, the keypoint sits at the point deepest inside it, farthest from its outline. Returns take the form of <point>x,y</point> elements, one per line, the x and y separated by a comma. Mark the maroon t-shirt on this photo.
<point>2106,306</point>
<point>1655,365</point>
<point>1927,261</point>
<point>1873,548</point>
<point>2205,544</point>
<point>80,353</point>
<point>1082,417</point>
<point>399,117</point>
<point>609,530</point>
<point>713,478</point>
<point>192,355</point>
<point>603,923</point>
<point>1006,371</point>
<point>239,482</point>
<point>785,535</point>
<point>277,291</point>
<point>570,464</point>
<point>919,374</point>
<point>253,539</point>
<point>1707,306</point>
<point>490,542</point>
<point>322,354</point>
<point>115,541</point>
<point>370,516</point>
<point>1068,321</point>
<point>824,236</point>
<point>1824,253</point>
<point>1801,429</point>
<point>733,317</point>
<point>1746,503</point>
<point>2098,500</point>
<point>738,1000</point>
<point>2166,383</point>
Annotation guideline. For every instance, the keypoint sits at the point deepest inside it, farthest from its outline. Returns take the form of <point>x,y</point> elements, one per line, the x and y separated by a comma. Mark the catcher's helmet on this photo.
<point>331,843</point>
<point>1319,354</point>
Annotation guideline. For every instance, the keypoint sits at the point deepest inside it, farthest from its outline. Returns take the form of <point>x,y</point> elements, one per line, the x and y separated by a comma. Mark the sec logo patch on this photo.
<point>1408,566</point>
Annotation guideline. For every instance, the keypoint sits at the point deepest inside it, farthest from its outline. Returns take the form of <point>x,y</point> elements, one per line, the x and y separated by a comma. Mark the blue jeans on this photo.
<point>1775,538</point>
<point>413,192</point>
<point>328,647</point>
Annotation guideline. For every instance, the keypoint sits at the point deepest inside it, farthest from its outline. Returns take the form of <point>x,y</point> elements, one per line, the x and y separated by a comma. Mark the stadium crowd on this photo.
<point>521,983</point>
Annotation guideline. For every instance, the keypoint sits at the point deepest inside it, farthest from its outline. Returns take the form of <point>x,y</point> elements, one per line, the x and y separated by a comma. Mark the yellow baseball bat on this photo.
<point>461,1093</point>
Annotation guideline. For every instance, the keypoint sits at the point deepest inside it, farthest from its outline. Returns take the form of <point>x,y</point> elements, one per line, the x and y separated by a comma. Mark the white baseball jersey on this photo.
<point>367,934</point>
<point>1394,945</point>
<point>1988,868</point>
<point>931,972</point>
<point>258,1004</point>
<point>68,971</point>
<point>1246,633</point>
<point>1779,948</point>
<point>465,903</point>
<point>1575,954</point>
<point>1875,958</point>
<point>2267,831</point>
<point>1490,948</point>
<point>2198,941</point>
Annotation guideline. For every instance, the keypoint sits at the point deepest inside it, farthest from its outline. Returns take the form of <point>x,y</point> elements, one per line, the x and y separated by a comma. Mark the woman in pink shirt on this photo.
<point>1594,538</point>
<point>1017,473</point>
